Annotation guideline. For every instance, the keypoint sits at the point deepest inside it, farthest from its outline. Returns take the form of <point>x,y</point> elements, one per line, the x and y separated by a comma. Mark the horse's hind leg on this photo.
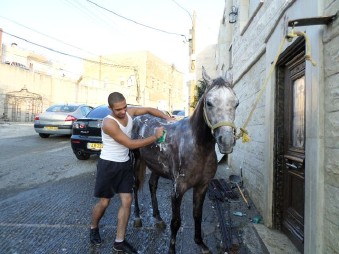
<point>176,219</point>
<point>137,219</point>
<point>153,186</point>
<point>199,194</point>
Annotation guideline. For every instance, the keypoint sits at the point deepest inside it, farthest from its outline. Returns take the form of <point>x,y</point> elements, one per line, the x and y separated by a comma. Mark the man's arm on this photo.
<point>137,111</point>
<point>111,127</point>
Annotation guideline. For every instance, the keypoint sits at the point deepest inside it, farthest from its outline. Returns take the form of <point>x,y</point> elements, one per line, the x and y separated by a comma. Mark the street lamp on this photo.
<point>233,15</point>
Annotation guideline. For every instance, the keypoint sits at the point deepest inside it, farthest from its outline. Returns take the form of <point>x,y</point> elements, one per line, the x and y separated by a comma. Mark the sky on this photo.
<point>88,28</point>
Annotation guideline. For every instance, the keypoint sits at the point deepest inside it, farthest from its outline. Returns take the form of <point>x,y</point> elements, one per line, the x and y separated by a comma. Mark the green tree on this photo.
<point>199,91</point>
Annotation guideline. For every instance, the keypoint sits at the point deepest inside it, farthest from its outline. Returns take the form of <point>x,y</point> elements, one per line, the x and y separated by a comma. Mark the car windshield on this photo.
<point>99,112</point>
<point>62,108</point>
<point>178,112</point>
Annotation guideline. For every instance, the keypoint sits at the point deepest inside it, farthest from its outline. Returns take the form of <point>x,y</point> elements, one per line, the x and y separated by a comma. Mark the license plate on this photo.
<point>50,128</point>
<point>94,146</point>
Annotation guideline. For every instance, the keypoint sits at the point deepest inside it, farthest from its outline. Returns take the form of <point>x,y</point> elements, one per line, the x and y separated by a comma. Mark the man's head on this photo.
<point>114,98</point>
<point>117,103</point>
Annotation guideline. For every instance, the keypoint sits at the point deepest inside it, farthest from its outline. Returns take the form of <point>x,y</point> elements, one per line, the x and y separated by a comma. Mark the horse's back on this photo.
<point>161,158</point>
<point>179,155</point>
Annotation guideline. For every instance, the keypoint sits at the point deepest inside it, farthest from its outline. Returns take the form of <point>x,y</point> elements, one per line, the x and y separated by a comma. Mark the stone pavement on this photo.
<point>54,218</point>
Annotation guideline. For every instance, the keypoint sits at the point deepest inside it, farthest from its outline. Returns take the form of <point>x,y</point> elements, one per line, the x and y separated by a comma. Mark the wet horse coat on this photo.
<point>187,156</point>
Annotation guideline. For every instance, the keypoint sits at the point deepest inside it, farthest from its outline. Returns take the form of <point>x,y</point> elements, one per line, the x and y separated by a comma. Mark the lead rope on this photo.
<point>289,37</point>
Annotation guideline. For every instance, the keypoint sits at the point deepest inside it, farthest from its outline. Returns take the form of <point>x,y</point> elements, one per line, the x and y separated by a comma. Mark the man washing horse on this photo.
<point>114,169</point>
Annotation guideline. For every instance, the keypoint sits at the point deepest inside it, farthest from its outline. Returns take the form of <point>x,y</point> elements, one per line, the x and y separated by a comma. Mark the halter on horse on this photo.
<point>187,156</point>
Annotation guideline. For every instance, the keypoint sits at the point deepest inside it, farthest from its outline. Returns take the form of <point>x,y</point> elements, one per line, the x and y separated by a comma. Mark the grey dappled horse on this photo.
<point>187,157</point>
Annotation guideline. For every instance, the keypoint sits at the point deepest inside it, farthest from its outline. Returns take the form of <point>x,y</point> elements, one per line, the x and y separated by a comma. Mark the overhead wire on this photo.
<point>90,14</point>
<point>67,54</point>
<point>100,15</point>
<point>63,69</point>
<point>133,21</point>
<point>85,11</point>
<point>183,9</point>
<point>48,36</point>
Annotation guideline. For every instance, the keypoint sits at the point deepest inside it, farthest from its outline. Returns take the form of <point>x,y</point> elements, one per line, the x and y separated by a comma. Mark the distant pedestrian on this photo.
<point>114,167</point>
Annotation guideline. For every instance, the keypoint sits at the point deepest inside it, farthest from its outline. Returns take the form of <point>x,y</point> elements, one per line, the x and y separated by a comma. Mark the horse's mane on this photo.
<point>199,126</point>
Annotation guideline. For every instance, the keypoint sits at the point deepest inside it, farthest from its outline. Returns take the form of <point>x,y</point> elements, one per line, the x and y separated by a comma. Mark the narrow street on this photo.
<point>49,211</point>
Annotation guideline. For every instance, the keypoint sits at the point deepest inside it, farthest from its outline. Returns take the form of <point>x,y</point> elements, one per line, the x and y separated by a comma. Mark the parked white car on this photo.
<point>59,118</point>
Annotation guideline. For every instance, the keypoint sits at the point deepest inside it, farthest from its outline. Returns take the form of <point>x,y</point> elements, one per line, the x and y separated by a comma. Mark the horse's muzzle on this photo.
<point>226,141</point>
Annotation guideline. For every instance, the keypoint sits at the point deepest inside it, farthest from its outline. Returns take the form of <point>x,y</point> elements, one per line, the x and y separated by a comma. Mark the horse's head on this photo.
<point>219,105</point>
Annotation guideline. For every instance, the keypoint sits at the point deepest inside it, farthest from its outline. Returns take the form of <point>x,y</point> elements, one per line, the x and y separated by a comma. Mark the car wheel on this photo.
<point>82,156</point>
<point>43,135</point>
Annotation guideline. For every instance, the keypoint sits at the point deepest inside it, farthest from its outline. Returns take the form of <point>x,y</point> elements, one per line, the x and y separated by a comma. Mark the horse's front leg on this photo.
<point>153,186</point>
<point>136,167</point>
<point>199,194</point>
<point>176,219</point>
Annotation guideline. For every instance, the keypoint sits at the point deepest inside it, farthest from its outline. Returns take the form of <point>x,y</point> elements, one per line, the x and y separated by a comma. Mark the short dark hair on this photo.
<point>114,98</point>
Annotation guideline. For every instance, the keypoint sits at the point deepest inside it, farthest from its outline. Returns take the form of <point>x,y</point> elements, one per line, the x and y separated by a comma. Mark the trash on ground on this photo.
<point>240,214</point>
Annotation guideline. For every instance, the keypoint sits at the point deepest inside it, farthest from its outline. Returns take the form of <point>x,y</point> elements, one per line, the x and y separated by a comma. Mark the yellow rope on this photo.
<point>243,132</point>
<point>294,34</point>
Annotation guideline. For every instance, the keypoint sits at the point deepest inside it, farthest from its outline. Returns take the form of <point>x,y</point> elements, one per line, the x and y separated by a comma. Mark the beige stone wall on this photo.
<point>252,49</point>
<point>248,55</point>
<point>143,78</point>
<point>331,149</point>
<point>52,90</point>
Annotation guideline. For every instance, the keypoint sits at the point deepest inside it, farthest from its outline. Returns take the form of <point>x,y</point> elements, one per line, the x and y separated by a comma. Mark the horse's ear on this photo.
<point>228,76</point>
<point>205,76</point>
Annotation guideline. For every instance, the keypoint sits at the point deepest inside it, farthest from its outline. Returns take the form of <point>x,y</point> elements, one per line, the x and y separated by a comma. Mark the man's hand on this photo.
<point>171,119</point>
<point>159,131</point>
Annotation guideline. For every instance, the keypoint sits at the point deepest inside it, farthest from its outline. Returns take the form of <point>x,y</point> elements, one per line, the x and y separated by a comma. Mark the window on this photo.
<point>253,5</point>
<point>298,113</point>
<point>230,59</point>
<point>248,10</point>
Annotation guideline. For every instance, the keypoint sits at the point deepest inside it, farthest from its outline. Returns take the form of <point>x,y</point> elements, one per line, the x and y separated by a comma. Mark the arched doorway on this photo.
<point>22,106</point>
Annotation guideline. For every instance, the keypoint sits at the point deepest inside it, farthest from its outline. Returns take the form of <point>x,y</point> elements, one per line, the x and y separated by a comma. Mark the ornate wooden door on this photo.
<point>290,146</point>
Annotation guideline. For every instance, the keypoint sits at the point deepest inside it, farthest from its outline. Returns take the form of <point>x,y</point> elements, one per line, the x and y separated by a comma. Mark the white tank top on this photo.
<point>112,150</point>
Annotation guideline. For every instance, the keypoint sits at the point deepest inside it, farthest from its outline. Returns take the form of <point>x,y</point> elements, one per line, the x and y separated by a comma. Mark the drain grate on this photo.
<point>221,190</point>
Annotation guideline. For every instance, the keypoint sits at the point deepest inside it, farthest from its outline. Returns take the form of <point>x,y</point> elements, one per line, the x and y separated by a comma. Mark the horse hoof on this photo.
<point>160,225</point>
<point>137,223</point>
<point>204,249</point>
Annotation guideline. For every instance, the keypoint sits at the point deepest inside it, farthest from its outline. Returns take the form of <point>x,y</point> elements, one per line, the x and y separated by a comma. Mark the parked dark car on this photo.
<point>86,136</point>
<point>59,118</point>
<point>167,113</point>
<point>178,114</point>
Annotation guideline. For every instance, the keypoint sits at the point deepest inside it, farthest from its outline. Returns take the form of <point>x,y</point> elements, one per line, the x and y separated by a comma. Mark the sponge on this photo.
<point>162,138</point>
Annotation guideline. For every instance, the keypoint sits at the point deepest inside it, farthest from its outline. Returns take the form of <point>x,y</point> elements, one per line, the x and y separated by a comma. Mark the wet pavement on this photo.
<point>55,217</point>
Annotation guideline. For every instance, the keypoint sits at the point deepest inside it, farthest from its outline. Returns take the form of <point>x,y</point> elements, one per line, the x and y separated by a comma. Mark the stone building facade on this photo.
<point>141,76</point>
<point>291,165</point>
<point>29,83</point>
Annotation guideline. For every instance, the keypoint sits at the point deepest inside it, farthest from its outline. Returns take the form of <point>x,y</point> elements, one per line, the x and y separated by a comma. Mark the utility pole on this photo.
<point>192,58</point>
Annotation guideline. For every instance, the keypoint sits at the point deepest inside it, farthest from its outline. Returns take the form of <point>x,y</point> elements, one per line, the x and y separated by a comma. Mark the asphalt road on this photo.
<point>54,217</point>
<point>46,201</point>
<point>26,160</point>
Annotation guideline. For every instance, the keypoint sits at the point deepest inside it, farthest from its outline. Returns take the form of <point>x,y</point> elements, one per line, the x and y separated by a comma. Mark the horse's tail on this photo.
<point>139,166</point>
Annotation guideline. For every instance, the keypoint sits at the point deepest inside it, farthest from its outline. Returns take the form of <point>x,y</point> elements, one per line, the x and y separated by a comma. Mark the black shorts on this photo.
<point>113,177</point>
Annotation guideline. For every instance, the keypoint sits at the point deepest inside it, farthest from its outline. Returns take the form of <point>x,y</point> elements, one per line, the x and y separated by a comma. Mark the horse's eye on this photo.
<point>209,104</point>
